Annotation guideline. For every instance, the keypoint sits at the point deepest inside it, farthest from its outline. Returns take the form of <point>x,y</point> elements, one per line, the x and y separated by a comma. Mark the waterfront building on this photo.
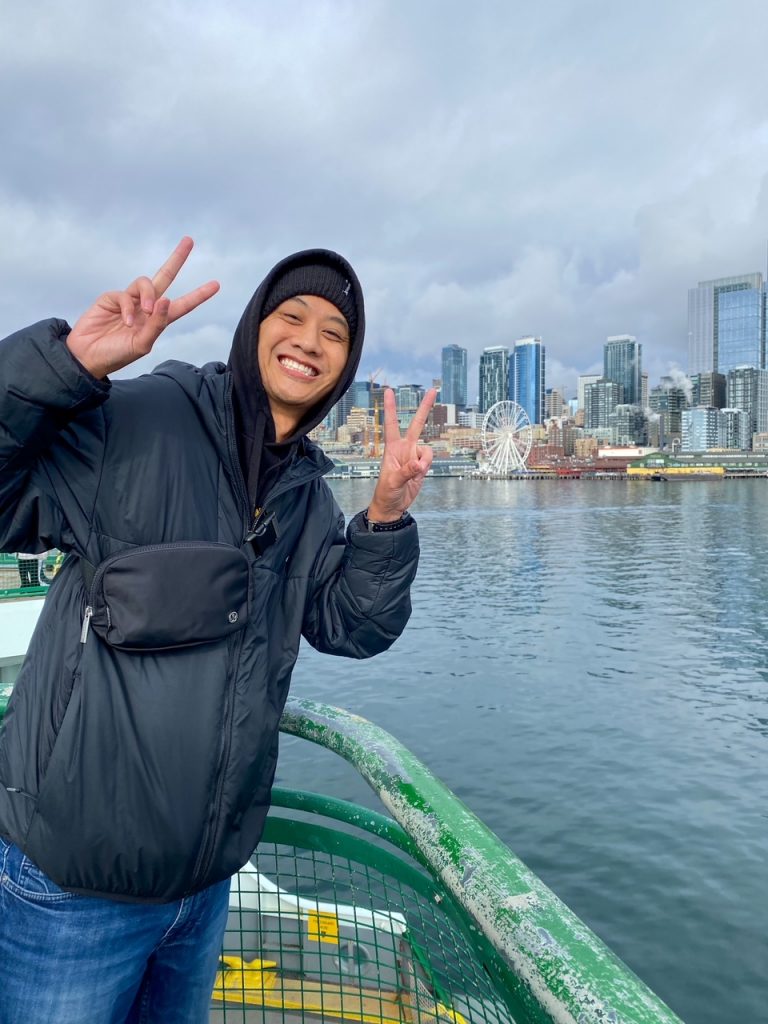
<point>527,377</point>
<point>727,324</point>
<point>600,400</point>
<point>628,425</point>
<point>453,390</point>
<point>644,390</point>
<point>584,379</point>
<point>747,389</point>
<point>701,429</point>
<point>708,389</point>
<point>623,364</point>
<point>471,418</point>
<point>494,376</point>
<point>734,429</point>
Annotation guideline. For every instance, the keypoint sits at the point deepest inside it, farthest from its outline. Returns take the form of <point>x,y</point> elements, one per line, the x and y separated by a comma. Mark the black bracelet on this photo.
<point>405,520</point>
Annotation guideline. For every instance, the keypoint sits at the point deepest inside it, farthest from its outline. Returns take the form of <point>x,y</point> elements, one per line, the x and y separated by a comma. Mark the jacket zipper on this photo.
<point>206,851</point>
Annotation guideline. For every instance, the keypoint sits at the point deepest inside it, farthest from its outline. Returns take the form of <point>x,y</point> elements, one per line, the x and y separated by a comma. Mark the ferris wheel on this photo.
<point>507,438</point>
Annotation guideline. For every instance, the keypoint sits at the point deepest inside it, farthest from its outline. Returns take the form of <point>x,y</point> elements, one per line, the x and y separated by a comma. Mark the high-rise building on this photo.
<point>628,426</point>
<point>701,429</point>
<point>453,390</point>
<point>734,429</point>
<point>527,375</point>
<point>726,324</point>
<point>623,364</point>
<point>600,400</point>
<point>644,390</point>
<point>584,379</point>
<point>747,389</point>
<point>494,376</point>
<point>668,400</point>
<point>554,403</point>
<point>708,389</point>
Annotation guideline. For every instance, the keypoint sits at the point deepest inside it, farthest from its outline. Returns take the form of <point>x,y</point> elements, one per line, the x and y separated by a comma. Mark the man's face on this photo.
<point>303,349</point>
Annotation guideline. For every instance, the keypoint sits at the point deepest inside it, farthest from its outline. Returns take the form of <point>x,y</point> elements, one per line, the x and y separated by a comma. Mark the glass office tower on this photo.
<point>527,377</point>
<point>623,364</point>
<point>453,390</point>
<point>494,376</point>
<point>727,324</point>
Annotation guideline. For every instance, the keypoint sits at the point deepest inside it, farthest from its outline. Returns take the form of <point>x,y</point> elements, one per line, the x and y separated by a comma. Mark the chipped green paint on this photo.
<point>560,972</point>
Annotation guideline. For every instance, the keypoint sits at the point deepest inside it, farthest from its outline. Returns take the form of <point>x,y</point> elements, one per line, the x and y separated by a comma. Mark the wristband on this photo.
<point>405,520</point>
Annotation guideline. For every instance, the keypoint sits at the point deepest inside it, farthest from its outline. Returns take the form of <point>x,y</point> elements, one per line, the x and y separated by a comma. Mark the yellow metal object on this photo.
<point>323,927</point>
<point>257,983</point>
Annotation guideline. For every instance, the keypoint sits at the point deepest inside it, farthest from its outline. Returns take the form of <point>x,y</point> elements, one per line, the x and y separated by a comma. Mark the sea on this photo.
<point>586,667</point>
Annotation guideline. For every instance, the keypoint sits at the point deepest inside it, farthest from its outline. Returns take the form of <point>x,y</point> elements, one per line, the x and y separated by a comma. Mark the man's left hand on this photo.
<point>404,463</point>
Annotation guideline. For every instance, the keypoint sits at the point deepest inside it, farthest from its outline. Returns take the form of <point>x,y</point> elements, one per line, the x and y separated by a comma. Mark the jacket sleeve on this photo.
<point>43,389</point>
<point>361,600</point>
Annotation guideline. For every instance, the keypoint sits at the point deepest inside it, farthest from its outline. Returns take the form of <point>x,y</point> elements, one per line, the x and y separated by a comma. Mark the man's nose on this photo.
<point>308,338</point>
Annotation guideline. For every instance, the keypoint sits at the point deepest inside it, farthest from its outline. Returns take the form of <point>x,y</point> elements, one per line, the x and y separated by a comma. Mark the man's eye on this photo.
<point>335,336</point>
<point>293,317</point>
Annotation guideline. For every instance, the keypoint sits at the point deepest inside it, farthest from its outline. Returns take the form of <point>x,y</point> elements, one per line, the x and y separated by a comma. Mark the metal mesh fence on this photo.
<point>28,575</point>
<point>319,935</point>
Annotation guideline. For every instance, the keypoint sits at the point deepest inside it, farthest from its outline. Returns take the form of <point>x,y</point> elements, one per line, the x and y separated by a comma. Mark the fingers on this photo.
<point>419,467</point>
<point>422,414</point>
<point>186,303</point>
<point>153,327</point>
<point>165,276</point>
<point>391,426</point>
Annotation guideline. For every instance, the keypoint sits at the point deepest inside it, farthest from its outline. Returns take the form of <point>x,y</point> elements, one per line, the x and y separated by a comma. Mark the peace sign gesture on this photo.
<point>121,327</point>
<point>404,463</point>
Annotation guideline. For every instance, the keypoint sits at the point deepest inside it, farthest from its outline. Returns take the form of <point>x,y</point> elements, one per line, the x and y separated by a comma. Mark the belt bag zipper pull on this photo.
<point>86,624</point>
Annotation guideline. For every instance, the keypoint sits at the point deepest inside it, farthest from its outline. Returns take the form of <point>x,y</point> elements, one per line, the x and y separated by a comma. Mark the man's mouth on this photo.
<point>294,364</point>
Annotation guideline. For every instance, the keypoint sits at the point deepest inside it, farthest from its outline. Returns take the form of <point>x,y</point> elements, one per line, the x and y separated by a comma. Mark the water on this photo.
<point>587,668</point>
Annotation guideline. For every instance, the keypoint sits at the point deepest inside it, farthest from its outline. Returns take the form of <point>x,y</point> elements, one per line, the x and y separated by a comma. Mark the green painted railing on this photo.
<point>559,971</point>
<point>547,964</point>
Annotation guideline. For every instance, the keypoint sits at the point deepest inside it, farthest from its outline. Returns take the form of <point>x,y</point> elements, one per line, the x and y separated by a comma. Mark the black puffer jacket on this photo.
<point>146,776</point>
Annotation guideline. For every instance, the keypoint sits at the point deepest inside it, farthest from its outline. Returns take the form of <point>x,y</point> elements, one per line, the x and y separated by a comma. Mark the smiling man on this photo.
<point>140,743</point>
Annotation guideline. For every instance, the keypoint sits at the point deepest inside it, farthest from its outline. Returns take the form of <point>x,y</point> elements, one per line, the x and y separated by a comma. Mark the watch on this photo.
<point>405,520</point>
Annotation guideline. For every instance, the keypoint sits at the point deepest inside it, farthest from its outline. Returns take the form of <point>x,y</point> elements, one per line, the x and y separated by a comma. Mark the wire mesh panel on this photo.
<point>347,931</point>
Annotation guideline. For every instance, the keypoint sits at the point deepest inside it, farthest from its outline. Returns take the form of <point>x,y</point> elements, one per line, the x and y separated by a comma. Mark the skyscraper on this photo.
<point>623,364</point>
<point>747,389</point>
<point>527,377</point>
<point>494,376</point>
<point>600,401</point>
<point>726,324</point>
<point>453,390</point>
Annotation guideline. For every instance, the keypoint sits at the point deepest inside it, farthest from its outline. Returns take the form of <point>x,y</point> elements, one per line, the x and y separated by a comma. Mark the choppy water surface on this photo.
<point>587,668</point>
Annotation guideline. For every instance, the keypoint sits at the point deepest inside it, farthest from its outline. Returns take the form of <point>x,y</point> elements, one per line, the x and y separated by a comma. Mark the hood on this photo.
<point>257,448</point>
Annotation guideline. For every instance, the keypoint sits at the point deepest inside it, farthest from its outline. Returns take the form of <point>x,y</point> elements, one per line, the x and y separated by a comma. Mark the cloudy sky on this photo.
<point>492,170</point>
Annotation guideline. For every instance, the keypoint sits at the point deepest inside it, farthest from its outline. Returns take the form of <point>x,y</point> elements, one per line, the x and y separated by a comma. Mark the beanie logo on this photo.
<point>346,290</point>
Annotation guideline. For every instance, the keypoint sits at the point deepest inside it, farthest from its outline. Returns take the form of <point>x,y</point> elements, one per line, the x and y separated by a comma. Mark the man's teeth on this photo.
<point>291,364</point>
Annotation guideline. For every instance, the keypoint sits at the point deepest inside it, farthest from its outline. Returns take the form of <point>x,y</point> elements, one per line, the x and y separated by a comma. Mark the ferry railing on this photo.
<point>421,913</point>
<point>41,570</point>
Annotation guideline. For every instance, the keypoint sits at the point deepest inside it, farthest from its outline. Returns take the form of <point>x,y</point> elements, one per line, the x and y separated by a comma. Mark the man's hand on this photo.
<point>404,463</point>
<point>121,327</point>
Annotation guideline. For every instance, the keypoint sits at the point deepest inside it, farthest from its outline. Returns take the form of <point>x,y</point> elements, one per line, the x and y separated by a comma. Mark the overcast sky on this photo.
<point>492,170</point>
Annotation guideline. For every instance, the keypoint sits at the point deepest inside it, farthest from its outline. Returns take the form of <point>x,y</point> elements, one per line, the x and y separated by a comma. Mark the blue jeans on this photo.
<point>86,960</point>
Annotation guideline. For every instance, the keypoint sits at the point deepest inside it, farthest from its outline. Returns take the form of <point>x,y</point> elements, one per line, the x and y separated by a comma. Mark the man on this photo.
<point>139,746</point>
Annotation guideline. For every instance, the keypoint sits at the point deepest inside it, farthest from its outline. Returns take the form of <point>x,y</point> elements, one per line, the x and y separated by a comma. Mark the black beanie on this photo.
<point>321,279</point>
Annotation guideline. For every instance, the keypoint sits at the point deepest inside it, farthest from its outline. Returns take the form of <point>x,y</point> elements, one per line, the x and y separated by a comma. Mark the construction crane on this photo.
<point>374,450</point>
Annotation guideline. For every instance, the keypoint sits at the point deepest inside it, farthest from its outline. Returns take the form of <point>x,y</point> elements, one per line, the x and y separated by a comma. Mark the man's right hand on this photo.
<point>121,327</point>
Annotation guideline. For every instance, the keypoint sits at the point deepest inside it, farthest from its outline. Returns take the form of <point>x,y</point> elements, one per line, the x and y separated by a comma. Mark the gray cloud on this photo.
<point>492,171</point>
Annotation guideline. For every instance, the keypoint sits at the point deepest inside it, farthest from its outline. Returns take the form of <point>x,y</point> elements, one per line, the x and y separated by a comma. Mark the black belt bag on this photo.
<point>163,596</point>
